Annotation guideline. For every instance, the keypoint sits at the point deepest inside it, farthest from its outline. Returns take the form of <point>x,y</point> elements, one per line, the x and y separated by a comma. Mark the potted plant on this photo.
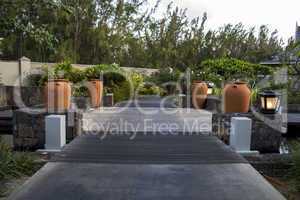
<point>81,97</point>
<point>95,85</point>
<point>237,96</point>
<point>199,94</point>
<point>199,90</point>
<point>58,88</point>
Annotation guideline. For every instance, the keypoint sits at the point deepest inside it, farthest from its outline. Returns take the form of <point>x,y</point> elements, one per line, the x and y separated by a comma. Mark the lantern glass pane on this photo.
<point>272,103</point>
<point>209,91</point>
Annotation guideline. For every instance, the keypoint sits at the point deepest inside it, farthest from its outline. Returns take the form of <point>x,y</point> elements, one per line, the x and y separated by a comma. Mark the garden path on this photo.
<point>153,165</point>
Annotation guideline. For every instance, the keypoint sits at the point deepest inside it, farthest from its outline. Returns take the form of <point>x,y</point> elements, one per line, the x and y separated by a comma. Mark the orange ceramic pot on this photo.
<point>236,98</point>
<point>199,94</point>
<point>95,87</point>
<point>58,95</point>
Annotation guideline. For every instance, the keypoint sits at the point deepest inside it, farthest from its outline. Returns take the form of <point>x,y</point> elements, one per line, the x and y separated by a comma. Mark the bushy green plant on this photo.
<point>95,72</point>
<point>150,90</point>
<point>121,92</point>
<point>76,75</point>
<point>230,69</point>
<point>126,89</point>
<point>63,70</point>
<point>34,80</point>
<point>295,170</point>
<point>165,75</point>
<point>166,78</point>
<point>80,91</point>
<point>14,164</point>
<point>217,91</point>
<point>137,80</point>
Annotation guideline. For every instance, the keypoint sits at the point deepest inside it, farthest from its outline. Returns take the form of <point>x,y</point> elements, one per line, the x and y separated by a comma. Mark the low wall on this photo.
<point>16,96</point>
<point>265,138</point>
<point>29,128</point>
<point>267,130</point>
<point>36,68</point>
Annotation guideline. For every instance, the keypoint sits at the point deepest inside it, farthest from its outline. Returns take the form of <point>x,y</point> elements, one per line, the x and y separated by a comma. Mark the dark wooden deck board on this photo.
<point>149,149</point>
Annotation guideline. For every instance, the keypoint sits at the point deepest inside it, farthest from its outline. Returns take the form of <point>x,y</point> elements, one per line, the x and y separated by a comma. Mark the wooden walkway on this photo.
<point>153,148</point>
<point>161,166</point>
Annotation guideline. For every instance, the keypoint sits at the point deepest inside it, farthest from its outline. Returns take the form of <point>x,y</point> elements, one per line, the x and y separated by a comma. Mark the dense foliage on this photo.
<point>123,32</point>
<point>14,164</point>
<point>121,83</point>
<point>229,69</point>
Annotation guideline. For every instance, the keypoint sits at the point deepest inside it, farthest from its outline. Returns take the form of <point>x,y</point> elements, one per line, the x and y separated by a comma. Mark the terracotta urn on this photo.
<point>95,87</point>
<point>236,97</point>
<point>199,94</point>
<point>58,95</point>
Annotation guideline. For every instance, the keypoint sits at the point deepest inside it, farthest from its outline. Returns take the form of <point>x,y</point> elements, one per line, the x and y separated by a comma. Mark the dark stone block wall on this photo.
<point>21,96</point>
<point>266,130</point>
<point>29,128</point>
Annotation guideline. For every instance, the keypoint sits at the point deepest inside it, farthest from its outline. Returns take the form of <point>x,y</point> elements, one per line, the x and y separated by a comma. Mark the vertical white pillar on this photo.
<point>24,69</point>
<point>55,132</point>
<point>240,134</point>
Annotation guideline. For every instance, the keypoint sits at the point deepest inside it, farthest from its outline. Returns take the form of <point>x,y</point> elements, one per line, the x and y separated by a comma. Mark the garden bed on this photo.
<point>16,167</point>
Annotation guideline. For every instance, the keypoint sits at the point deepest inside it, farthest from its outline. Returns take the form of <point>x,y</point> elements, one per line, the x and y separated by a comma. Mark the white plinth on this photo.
<point>240,134</point>
<point>55,132</point>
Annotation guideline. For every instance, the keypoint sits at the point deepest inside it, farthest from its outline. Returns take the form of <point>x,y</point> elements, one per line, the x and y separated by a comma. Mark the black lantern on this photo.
<point>269,102</point>
<point>210,89</point>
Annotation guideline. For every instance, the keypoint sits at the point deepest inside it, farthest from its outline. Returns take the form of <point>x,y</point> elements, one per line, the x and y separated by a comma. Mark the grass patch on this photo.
<point>15,164</point>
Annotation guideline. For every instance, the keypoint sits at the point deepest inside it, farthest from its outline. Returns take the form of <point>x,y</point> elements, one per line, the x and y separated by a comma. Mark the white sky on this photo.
<point>277,14</point>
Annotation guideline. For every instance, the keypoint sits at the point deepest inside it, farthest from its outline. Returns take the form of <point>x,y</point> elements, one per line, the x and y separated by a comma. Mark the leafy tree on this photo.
<point>24,26</point>
<point>124,32</point>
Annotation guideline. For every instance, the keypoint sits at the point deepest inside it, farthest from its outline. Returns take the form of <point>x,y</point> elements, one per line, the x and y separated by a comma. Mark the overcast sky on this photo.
<point>278,14</point>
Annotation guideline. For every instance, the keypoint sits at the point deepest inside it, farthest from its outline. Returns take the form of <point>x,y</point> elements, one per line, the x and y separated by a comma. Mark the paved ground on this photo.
<point>161,167</point>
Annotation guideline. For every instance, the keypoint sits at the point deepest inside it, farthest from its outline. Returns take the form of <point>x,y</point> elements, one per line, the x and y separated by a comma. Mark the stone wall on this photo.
<point>20,97</point>
<point>29,128</point>
<point>266,131</point>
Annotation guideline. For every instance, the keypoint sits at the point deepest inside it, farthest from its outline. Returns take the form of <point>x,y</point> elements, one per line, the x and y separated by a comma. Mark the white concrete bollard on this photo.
<point>55,132</point>
<point>240,135</point>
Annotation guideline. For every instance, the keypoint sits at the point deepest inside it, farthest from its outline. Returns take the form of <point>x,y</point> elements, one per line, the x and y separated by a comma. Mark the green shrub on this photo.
<point>63,70</point>
<point>76,75</point>
<point>121,92</point>
<point>229,69</point>
<point>80,91</point>
<point>295,170</point>
<point>165,75</point>
<point>150,90</point>
<point>24,163</point>
<point>15,164</point>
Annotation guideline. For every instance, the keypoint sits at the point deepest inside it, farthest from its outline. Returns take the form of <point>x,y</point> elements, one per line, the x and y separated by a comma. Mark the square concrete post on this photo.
<point>55,132</point>
<point>240,134</point>
<point>24,69</point>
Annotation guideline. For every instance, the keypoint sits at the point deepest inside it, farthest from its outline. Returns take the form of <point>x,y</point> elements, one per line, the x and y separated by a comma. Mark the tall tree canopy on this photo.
<point>123,32</point>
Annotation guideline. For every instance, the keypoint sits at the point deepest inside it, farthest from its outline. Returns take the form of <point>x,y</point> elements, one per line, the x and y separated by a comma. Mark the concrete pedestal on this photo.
<point>240,135</point>
<point>55,132</point>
